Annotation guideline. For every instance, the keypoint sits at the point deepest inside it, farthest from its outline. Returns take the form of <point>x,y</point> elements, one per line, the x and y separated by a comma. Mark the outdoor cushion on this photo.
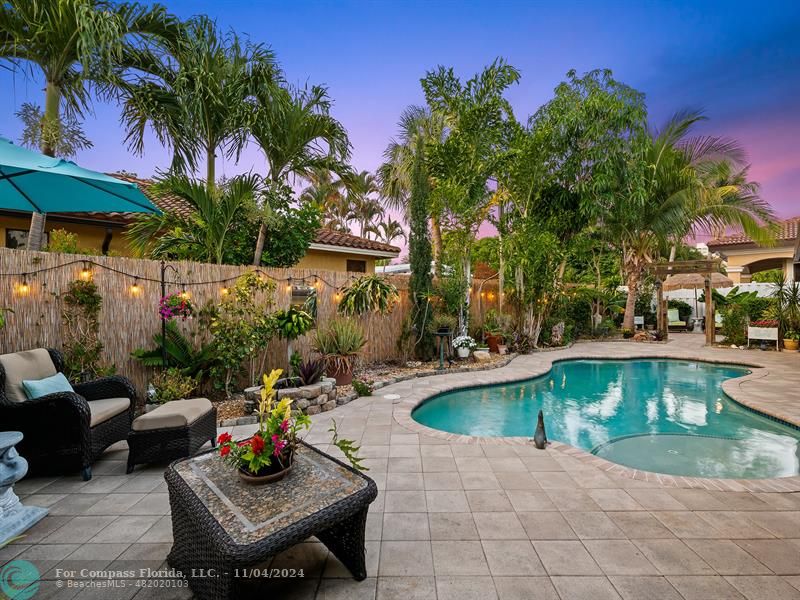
<point>102,410</point>
<point>674,318</point>
<point>177,413</point>
<point>19,366</point>
<point>49,385</point>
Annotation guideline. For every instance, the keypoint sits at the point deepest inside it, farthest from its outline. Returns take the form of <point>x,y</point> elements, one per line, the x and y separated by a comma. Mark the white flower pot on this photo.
<point>463,352</point>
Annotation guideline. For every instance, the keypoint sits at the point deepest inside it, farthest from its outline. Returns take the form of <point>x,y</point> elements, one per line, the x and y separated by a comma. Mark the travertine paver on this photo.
<point>457,519</point>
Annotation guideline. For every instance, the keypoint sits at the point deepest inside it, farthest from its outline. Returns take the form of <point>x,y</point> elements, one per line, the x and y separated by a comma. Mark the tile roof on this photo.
<point>348,240</point>
<point>787,231</point>
<point>165,202</point>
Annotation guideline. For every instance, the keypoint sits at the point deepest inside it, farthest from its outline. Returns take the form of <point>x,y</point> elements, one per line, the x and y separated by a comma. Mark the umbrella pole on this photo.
<point>36,232</point>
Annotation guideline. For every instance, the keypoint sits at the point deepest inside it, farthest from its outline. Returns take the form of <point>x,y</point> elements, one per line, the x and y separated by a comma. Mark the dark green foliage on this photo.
<point>290,232</point>
<point>294,363</point>
<point>734,325</point>
<point>684,309</point>
<point>180,354</point>
<point>420,255</point>
<point>362,388</point>
<point>292,323</point>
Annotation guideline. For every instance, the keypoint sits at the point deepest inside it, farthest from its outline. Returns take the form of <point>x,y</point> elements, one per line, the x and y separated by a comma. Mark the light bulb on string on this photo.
<point>135,289</point>
<point>86,272</point>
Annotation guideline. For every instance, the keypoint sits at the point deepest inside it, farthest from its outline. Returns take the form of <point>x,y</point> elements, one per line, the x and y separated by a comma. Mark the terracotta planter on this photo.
<point>270,476</point>
<point>790,345</point>
<point>494,341</point>
<point>342,376</point>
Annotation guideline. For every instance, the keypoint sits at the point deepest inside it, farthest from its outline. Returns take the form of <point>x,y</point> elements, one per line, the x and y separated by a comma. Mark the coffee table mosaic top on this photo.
<point>249,513</point>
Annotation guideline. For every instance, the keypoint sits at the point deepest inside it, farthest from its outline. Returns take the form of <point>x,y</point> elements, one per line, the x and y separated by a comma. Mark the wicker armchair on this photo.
<point>64,431</point>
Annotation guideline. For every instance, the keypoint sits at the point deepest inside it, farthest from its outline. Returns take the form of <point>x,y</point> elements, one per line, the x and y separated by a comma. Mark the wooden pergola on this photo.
<point>699,267</point>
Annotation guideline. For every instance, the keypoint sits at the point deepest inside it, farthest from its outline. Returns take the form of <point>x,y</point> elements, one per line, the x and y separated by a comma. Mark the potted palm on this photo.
<point>339,344</point>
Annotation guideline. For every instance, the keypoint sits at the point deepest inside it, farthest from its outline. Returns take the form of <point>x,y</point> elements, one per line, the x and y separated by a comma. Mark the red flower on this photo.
<point>224,438</point>
<point>257,444</point>
<point>284,425</point>
<point>224,451</point>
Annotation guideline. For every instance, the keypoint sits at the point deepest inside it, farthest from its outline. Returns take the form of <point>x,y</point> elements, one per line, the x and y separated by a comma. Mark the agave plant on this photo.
<point>339,344</point>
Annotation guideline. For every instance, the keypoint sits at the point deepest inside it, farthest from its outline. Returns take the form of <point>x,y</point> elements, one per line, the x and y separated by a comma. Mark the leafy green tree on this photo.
<point>80,47</point>
<point>390,230</point>
<point>195,96</point>
<point>203,234</point>
<point>298,136</point>
<point>479,121</point>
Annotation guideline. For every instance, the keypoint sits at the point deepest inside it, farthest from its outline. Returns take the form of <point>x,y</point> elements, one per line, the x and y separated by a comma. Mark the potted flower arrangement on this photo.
<point>464,344</point>
<point>175,305</point>
<point>267,456</point>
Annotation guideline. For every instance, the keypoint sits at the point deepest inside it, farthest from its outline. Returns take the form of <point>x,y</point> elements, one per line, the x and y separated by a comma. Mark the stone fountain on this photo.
<point>14,517</point>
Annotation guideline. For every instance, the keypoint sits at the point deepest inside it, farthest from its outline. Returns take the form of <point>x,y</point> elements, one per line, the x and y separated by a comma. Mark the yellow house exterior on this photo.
<point>744,257</point>
<point>103,233</point>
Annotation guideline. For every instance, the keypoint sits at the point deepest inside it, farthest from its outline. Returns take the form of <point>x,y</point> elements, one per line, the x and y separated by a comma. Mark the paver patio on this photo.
<point>456,519</point>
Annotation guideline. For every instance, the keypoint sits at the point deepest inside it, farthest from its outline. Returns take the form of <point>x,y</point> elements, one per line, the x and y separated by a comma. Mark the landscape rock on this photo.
<point>482,356</point>
<point>329,406</point>
<point>313,410</point>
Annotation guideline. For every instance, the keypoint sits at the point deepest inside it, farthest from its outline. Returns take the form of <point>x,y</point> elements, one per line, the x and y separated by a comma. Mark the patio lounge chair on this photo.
<point>674,319</point>
<point>64,431</point>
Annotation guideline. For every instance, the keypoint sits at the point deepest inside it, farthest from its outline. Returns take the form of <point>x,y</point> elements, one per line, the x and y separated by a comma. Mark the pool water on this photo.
<point>667,416</point>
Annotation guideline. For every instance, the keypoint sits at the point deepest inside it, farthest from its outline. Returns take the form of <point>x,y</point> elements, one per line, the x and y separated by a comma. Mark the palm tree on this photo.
<point>297,134</point>
<point>365,209</point>
<point>692,182</point>
<point>201,236</point>
<point>195,97</point>
<point>389,231</point>
<point>417,123</point>
<point>79,46</point>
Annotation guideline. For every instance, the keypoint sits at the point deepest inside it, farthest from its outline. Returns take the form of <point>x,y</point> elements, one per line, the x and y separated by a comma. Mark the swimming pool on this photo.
<point>667,416</point>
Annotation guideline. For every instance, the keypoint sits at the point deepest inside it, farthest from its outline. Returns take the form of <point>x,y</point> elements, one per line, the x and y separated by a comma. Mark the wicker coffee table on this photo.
<point>225,530</point>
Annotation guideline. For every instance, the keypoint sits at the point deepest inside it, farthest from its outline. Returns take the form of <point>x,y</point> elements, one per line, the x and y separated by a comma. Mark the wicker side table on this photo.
<point>222,526</point>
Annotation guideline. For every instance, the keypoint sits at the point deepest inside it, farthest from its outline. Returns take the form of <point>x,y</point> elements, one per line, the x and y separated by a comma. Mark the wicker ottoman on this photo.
<point>176,429</point>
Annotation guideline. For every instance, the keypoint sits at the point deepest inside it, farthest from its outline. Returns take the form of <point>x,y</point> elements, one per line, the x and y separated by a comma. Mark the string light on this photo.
<point>289,284</point>
<point>24,288</point>
<point>224,291</point>
<point>135,289</point>
<point>86,273</point>
<point>184,294</point>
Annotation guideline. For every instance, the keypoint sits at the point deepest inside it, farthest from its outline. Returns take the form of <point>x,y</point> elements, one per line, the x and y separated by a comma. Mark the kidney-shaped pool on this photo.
<point>667,416</point>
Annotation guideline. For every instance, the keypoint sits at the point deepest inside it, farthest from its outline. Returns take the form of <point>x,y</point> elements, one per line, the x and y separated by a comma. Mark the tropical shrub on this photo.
<point>339,344</point>
<point>242,327</point>
<point>65,242</point>
<point>291,323</point>
<point>180,354</point>
<point>369,293</point>
<point>734,324</point>
<point>172,384</point>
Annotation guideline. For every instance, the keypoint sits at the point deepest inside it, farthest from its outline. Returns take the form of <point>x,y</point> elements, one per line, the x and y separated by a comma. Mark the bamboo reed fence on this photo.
<point>129,316</point>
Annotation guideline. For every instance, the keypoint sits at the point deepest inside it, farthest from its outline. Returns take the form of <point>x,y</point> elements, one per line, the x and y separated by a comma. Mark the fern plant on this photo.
<point>180,354</point>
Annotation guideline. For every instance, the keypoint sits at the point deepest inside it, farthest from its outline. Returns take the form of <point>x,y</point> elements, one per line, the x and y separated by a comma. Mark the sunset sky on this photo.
<point>738,61</point>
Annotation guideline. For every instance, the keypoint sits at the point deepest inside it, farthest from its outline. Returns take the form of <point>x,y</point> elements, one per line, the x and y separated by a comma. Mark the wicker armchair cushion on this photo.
<point>178,413</point>
<point>105,408</point>
<point>30,364</point>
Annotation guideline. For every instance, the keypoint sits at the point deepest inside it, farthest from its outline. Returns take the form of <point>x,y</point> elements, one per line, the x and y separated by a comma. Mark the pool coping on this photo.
<point>509,374</point>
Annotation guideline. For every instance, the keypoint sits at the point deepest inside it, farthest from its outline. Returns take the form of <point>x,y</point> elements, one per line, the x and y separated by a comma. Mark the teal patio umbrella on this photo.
<point>33,182</point>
